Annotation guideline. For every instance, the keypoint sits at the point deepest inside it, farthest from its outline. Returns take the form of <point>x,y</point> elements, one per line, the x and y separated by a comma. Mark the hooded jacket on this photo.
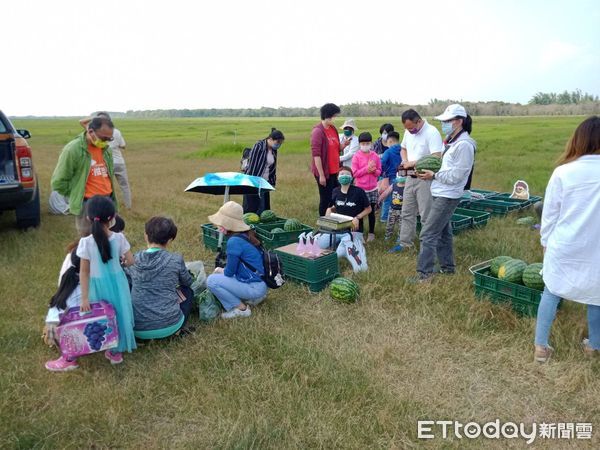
<point>457,162</point>
<point>72,171</point>
<point>155,277</point>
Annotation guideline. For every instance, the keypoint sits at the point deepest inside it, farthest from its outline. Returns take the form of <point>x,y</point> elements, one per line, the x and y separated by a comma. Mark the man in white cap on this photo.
<point>447,189</point>
<point>349,130</point>
<point>420,139</point>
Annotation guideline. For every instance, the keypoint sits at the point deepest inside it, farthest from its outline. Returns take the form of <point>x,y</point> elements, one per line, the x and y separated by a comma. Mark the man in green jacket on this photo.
<point>85,168</point>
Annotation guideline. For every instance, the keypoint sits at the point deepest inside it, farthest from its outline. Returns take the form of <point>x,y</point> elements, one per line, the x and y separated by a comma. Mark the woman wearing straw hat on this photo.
<point>239,283</point>
<point>349,130</point>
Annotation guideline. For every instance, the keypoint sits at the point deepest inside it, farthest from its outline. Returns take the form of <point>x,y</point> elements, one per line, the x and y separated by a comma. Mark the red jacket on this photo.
<point>319,146</point>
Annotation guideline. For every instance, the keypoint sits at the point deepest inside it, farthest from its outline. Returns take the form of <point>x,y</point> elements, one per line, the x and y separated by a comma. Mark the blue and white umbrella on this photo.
<point>228,183</point>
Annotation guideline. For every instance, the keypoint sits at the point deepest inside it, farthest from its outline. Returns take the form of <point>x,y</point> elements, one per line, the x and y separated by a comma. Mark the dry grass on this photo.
<point>303,372</point>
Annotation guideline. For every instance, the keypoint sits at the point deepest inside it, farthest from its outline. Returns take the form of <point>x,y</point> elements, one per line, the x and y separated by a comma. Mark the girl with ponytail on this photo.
<point>101,274</point>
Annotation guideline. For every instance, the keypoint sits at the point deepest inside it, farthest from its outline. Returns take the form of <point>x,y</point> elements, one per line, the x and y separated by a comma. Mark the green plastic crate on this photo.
<point>484,192</point>
<point>496,207</point>
<point>524,300</point>
<point>274,240</point>
<point>316,273</point>
<point>458,222</point>
<point>506,198</point>
<point>479,218</point>
<point>210,236</point>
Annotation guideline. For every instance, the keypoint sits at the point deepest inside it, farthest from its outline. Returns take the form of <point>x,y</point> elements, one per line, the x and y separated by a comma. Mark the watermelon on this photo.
<point>292,225</point>
<point>344,290</point>
<point>251,218</point>
<point>428,162</point>
<point>496,263</point>
<point>512,271</point>
<point>277,230</point>
<point>267,216</point>
<point>529,220</point>
<point>532,278</point>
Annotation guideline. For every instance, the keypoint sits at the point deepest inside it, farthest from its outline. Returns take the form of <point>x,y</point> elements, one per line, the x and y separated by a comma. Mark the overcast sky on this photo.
<point>72,57</point>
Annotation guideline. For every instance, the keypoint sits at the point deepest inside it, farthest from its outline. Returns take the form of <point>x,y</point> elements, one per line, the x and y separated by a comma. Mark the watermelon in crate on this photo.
<point>532,276</point>
<point>293,225</point>
<point>512,271</point>
<point>251,218</point>
<point>268,216</point>
<point>496,263</point>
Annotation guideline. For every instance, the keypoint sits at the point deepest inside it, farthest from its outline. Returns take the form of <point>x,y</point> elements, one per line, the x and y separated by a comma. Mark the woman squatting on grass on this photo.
<point>240,283</point>
<point>570,222</point>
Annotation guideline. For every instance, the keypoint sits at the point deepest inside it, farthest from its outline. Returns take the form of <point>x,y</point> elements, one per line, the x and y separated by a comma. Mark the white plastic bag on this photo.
<point>352,248</point>
<point>196,268</point>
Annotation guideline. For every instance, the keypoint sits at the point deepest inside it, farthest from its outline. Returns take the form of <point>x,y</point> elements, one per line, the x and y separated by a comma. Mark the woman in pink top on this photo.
<point>366,166</point>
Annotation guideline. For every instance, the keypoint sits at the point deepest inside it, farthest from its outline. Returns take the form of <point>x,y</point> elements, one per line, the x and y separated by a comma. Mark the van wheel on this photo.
<point>28,214</point>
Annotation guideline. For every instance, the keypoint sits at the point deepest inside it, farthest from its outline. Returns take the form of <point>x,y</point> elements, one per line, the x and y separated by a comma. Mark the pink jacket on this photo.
<point>360,163</point>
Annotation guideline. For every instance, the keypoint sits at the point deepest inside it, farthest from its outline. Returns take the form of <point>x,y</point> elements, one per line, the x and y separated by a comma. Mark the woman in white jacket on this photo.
<point>569,236</point>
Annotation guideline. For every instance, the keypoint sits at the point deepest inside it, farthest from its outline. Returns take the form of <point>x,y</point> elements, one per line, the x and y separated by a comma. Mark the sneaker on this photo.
<point>114,358</point>
<point>420,279</point>
<point>396,249</point>
<point>236,312</point>
<point>371,237</point>
<point>587,349</point>
<point>61,365</point>
<point>439,270</point>
<point>543,354</point>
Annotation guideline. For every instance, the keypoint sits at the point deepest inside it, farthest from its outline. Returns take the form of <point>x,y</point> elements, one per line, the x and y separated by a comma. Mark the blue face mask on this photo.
<point>345,179</point>
<point>447,128</point>
<point>276,146</point>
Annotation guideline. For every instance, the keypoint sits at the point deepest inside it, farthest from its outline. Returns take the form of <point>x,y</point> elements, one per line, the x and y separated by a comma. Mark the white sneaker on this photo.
<point>235,312</point>
<point>371,237</point>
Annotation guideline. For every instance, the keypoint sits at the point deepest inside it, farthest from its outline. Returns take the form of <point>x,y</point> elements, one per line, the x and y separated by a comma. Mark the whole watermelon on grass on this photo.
<point>344,290</point>
<point>292,225</point>
<point>429,162</point>
<point>268,216</point>
<point>496,263</point>
<point>532,278</point>
<point>512,271</point>
<point>251,218</point>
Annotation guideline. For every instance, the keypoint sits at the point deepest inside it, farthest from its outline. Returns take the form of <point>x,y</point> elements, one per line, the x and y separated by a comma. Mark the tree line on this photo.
<point>566,103</point>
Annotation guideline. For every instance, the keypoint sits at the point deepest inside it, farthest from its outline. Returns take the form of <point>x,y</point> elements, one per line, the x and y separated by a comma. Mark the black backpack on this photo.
<point>272,266</point>
<point>245,161</point>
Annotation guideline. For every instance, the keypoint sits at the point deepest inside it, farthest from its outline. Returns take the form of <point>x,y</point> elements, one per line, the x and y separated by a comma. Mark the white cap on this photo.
<point>451,112</point>
<point>350,124</point>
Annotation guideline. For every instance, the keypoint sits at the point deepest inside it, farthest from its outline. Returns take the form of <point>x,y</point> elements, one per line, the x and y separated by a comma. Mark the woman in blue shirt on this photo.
<point>240,282</point>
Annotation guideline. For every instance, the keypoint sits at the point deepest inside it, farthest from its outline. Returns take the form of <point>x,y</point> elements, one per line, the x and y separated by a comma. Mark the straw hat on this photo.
<point>350,124</point>
<point>230,217</point>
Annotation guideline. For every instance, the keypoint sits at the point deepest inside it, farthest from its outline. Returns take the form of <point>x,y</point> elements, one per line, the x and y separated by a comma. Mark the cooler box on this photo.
<point>84,333</point>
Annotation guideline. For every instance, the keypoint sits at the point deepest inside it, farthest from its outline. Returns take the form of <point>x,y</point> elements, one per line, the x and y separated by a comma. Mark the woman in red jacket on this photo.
<point>325,149</point>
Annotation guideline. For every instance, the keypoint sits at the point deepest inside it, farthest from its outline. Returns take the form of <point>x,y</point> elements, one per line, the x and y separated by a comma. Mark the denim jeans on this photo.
<point>385,208</point>
<point>547,313</point>
<point>230,292</point>
<point>436,236</point>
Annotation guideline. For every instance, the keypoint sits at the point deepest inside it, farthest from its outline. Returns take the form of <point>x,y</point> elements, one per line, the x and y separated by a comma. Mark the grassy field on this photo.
<point>303,372</point>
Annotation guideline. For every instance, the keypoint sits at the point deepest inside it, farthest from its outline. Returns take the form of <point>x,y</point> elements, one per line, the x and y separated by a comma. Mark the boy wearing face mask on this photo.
<point>380,144</point>
<point>348,135</point>
<point>366,166</point>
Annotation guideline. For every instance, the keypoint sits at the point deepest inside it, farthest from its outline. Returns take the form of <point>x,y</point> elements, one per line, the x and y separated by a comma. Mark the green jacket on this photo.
<point>72,170</point>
